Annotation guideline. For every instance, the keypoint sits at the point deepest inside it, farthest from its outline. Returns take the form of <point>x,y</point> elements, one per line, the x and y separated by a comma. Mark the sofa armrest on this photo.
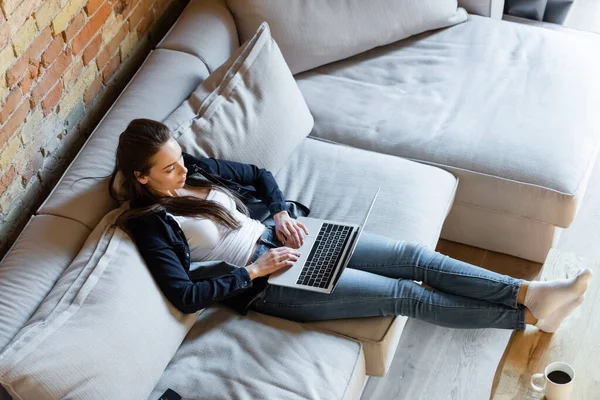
<point>487,8</point>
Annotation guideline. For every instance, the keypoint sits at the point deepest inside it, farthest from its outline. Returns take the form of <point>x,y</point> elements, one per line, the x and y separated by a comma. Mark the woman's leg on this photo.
<point>365,294</point>
<point>398,259</point>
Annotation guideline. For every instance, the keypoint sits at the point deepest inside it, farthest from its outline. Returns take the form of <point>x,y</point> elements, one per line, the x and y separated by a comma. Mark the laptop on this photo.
<point>324,254</point>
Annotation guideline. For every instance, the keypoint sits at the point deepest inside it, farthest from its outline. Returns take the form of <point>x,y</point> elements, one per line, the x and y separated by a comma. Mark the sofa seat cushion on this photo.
<point>163,82</point>
<point>510,109</point>
<point>338,182</point>
<point>229,356</point>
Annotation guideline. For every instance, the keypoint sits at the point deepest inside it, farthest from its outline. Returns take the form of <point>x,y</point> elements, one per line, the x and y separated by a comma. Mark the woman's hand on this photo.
<point>288,230</point>
<point>272,260</point>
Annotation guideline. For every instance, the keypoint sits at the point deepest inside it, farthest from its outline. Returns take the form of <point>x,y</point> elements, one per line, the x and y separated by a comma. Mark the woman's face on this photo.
<point>167,172</point>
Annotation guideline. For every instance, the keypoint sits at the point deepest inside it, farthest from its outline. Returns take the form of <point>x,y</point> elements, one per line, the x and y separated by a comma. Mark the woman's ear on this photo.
<point>141,179</point>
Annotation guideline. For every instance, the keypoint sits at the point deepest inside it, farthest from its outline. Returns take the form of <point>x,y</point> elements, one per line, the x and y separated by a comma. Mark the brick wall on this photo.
<point>62,64</point>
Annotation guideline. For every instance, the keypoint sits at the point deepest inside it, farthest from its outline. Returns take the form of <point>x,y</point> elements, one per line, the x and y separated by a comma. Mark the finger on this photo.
<point>300,234</point>
<point>303,227</point>
<point>287,234</point>
<point>295,237</point>
<point>289,250</point>
<point>280,237</point>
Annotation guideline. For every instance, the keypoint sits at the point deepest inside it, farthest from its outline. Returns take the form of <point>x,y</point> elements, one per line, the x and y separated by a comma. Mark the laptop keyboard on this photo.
<point>320,264</point>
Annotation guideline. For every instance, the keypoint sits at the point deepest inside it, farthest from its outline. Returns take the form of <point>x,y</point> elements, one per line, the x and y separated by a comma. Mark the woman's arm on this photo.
<point>244,174</point>
<point>165,266</point>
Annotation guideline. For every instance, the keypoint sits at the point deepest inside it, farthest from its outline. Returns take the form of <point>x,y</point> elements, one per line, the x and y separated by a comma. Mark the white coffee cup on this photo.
<point>554,390</point>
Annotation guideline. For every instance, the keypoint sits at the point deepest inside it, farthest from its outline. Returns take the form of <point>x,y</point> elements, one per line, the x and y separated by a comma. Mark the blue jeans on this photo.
<point>380,280</point>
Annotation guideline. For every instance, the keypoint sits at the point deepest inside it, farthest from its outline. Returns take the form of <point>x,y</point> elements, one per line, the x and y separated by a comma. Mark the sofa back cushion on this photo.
<point>314,33</point>
<point>204,29</point>
<point>248,110</point>
<point>166,78</point>
<point>105,330</point>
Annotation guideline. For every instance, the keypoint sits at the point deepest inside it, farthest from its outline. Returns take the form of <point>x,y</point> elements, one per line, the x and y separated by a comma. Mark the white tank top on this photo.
<point>210,241</point>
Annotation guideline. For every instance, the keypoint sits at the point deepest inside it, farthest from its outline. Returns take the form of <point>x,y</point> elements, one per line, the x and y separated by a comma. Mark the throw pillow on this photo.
<point>249,110</point>
<point>105,330</point>
<point>313,33</point>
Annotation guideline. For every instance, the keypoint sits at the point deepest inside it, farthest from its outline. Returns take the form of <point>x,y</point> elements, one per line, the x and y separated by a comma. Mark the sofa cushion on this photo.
<point>104,331</point>
<point>165,79</point>
<point>249,110</point>
<point>31,267</point>
<point>314,33</point>
<point>206,30</point>
<point>510,109</point>
<point>338,182</point>
<point>229,356</point>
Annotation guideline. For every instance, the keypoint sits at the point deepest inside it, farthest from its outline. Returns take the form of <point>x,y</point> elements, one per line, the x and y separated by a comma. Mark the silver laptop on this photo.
<point>324,255</point>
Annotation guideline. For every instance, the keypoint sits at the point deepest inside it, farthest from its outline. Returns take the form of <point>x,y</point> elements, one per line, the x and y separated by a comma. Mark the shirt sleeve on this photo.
<point>263,181</point>
<point>186,295</point>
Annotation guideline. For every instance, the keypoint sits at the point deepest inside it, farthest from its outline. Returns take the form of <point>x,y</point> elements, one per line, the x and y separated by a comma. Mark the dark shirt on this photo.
<point>165,249</point>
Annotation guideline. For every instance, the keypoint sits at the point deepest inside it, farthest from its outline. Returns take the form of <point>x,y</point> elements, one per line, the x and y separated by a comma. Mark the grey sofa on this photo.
<point>437,124</point>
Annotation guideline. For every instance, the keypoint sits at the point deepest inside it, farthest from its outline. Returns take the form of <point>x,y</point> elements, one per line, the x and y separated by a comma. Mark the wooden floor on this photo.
<point>434,362</point>
<point>439,363</point>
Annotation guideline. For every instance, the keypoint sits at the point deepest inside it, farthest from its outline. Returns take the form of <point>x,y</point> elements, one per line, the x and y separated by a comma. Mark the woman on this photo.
<point>175,220</point>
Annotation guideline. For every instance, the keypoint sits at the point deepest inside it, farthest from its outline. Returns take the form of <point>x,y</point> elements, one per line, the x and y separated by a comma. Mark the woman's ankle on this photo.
<point>529,318</point>
<point>522,292</point>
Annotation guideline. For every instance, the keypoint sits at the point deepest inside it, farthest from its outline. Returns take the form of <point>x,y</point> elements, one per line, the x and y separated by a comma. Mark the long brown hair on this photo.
<point>141,140</point>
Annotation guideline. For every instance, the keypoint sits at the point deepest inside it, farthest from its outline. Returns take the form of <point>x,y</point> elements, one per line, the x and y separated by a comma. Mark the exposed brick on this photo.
<point>52,99</point>
<point>110,68</point>
<point>51,76</point>
<point>10,5</point>
<point>9,151</point>
<point>32,126</point>
<point>21,13</point>
<point>4,34</point>
<point>33,166</point>
<point>14,122</point>
<point>29,57</point>
<point>40,42</point>
<point>72,73</point>
<point>7,57</point>
<point>61,21</point>
<point>4,92</point>
<point>129,7</point>
<point>46,12</point>
<point>91,92</point>
<point>10,198</point>
<point>92,6</point>
<point>111,27</point>
<point>25,83</point>
<point>76,93</point>
<point>144,25</point>
<point>17,71</point>
<point>24,36</point>
<point>137,15</point>
<point>89,30</point>
<point>74,26</point>
<point>12,101</point>
<point>128,44</point>
<point>160,7</point>
<point>7,178</point>
<point>110,49</point>
<point>90,52</point>
<point>53,51</point>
